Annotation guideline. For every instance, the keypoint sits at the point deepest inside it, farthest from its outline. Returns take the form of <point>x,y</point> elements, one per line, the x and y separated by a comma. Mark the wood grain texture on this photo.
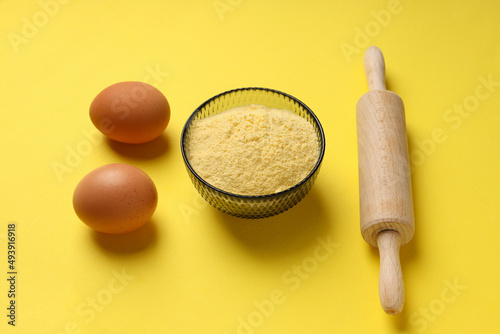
<point>391,285</point>
<point>384,170</point>
<point>386,204</point>
<point>375,68</point>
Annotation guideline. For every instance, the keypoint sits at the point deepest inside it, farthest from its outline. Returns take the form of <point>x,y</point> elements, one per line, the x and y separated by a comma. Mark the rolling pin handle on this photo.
<point>375,68</point>
<point>391,285</point>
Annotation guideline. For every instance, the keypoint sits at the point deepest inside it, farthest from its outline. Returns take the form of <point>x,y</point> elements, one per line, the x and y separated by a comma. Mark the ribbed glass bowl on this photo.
<point>252,206</point>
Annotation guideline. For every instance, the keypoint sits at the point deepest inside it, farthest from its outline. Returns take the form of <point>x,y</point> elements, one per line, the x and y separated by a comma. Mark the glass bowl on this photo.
<point>252,206</point>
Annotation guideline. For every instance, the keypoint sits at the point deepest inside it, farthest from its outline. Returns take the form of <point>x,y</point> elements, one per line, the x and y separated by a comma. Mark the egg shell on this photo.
<point>131,112</point>
<point>115,198</point>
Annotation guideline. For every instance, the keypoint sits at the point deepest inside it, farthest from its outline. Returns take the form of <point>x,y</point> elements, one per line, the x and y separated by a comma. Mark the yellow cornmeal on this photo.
<point>253,150</point>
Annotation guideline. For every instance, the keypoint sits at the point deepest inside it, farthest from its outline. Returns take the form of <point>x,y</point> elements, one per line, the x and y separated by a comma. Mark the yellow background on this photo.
<point>193,269</point>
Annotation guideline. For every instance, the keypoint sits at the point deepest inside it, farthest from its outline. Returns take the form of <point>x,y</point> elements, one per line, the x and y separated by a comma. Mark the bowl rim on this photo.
<point>313,171</point>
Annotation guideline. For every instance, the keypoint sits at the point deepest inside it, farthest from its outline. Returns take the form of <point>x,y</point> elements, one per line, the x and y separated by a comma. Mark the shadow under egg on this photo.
<point>146,151</point>
<point>128,243</point>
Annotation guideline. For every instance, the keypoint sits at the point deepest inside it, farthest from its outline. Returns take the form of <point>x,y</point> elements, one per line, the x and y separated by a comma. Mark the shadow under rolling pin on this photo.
<point>386,205</point>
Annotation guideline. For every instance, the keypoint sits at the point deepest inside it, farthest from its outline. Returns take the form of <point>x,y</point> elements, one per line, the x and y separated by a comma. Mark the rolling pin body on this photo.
<point>384,172</point>
<point>386,206</point>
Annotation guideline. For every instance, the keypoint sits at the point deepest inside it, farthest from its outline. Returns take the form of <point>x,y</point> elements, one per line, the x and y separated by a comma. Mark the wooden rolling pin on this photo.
<point>386,206</point>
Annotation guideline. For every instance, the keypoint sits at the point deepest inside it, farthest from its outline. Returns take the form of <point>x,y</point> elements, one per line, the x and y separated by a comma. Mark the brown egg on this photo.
<point>115,198</point>
<point>130,112</point>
